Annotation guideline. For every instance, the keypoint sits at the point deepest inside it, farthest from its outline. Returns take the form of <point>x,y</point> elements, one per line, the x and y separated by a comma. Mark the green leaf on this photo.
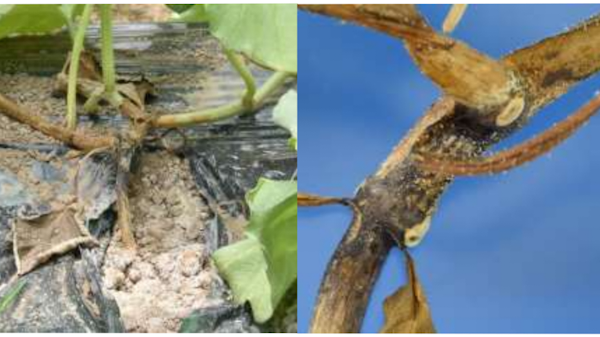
<point>11,296</point>
<point>260,268</point>
<point>193,13</point>
<point>280,241</point>
<point>286,115</point>
<point>267,194</point>
<point>267,33</point>
<point>31,19</point>
<point>244,266</point>
<point>179,8</point>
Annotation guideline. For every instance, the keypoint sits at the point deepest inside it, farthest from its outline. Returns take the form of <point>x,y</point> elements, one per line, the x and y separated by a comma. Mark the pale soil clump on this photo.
<point>170,274</point>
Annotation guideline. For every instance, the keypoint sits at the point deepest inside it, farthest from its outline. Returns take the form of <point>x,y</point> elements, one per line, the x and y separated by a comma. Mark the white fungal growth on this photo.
<point>414,235</point>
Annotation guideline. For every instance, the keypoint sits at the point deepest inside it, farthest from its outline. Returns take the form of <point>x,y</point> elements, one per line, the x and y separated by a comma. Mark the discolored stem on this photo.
<point>515,156</point>
<point>400,195</point>
<point>76,139</point>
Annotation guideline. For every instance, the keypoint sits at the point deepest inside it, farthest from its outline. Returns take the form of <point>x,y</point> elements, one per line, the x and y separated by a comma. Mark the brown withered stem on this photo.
<point>77,139</point>
<point>517,155</point>
<point>401,194</point>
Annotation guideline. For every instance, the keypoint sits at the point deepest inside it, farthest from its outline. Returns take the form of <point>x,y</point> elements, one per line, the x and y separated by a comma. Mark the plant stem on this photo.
<point>223,112</point>
<point>240,66</point>
<point>74,67</point>
<point>74,138</point>
<point>108,58</point>
<point>271,85</point>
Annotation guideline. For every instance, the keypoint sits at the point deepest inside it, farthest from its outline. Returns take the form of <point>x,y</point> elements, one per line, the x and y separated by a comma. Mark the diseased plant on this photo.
<point>264,34</point>
<point>485,100</point>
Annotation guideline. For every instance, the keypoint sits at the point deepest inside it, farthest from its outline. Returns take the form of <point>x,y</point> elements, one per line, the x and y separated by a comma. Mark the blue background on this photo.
<point>516,252</point>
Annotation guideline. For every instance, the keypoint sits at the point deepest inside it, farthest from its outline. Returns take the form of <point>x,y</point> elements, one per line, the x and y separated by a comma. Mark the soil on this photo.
<point>170,274</point>
<point>35,94</point>
<point>124,13</point>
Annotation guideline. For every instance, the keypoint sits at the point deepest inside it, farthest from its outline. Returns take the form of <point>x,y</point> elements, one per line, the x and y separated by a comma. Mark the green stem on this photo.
<point>271,85</point>
<point>223,112</point>
<point>74,67</point>
<point>108,57</point>
<point>240,66</point>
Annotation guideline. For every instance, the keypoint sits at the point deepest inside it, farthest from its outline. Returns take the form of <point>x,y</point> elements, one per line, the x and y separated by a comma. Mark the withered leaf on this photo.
<point>406,311</point>
<point>38,239</point>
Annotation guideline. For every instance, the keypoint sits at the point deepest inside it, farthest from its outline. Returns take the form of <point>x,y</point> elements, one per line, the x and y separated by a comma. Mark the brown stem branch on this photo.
<point>76,139</point>
<point>468,75</point>
<point>515,156</point>
<point>401,195</point>
<point>309,200</point>
<point>401,21</point>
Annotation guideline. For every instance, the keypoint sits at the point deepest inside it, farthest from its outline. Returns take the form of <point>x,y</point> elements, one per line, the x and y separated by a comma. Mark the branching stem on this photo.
<point>517,155</point>
<point>226,111</point>
<point>237,61</point>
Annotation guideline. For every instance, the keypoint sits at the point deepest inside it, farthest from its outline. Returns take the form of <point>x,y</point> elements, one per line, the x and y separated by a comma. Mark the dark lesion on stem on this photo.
<point>402,193</point>
<point>514,157</point>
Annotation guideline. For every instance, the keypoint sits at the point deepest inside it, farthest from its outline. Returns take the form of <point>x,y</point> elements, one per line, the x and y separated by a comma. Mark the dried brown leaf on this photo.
<point>38,239</point>
<point>406,311</point>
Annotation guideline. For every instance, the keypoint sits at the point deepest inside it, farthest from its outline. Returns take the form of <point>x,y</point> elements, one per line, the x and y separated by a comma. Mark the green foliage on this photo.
<point>179,8</point>
<point>35,19</point>
<point>11,296</point>
<point>286,115</point>
<point>267,33</point>
<point>262,267</point>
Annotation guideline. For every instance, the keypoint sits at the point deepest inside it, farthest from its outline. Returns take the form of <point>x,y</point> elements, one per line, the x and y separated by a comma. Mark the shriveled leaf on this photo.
<point>261,268</point>
<point>32,19</point>
<point>267,33</point>
<point>11,295</point>
<point>286,115</point>
<point>39,239</point>
<point>406,311</point>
